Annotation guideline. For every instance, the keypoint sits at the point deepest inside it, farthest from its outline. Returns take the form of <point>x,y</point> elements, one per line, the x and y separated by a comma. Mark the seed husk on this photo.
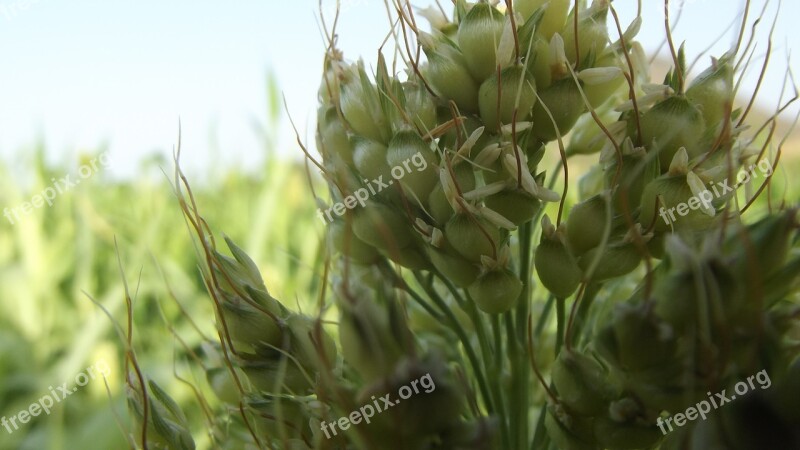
<point>496,291</point>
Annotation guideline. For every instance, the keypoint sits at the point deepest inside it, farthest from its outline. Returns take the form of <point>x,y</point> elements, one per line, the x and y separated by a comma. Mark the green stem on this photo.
<point>462,335</point>
<point>560,323</point>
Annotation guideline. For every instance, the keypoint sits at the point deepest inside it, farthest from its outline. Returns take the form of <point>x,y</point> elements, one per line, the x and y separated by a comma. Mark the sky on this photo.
<point>81,74</point>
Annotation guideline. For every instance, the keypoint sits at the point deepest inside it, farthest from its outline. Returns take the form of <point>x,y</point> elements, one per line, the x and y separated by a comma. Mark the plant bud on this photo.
<point>478,36</point>
<point>311,345</point>
<point>517,205</point>
<point>712,91</point>
<point>769,243</point>
<point>670,125</point>
<point>342,239</point>
<point>500,97</point>
<point>557,268</point>
<point>361,107</point>
<point>448,74</point>
<point>582,383</point>
<point>373,337</point>
<point>421,176</point>
<point>381,226</point>
<point>419,106</point>
<point>616,260</point>
<point>250,326</point>
<point>410,257</point>
<point>221,382</point>
<point>565,105</point>
<point>167,426</point>
<point>279,414</point>
<point>666,198</point>
<point>496,291</point>
<point>637,170</point>
<point>278,375</point>
<point>642,340</point>
<point>586,224</point>
<point>473,237</point>
<point>369,158</point>
<point>601,89</point>
<point>554,16</point>
<point>455,268</point>
<point>592,33</point>
<point>335,139</point>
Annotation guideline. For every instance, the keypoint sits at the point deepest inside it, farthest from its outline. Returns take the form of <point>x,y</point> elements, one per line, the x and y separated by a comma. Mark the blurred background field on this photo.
<point>56,258</point>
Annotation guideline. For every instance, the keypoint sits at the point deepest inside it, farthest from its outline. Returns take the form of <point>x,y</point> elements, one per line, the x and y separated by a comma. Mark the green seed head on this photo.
<point>496,291</point>
<point>478,37</point>
<point>448,73</point>
<point>670,125</point>
<point>555,265</point>
<point>510,95</point>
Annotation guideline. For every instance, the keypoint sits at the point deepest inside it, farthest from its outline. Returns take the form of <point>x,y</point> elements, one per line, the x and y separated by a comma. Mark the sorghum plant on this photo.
<point>544,322</point>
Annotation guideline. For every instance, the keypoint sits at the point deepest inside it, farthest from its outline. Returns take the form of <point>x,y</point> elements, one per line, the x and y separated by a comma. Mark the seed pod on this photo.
<point>276,415</point>
<point>712,91</point>
<point>599,93</point>
<point>334,138</point>
<point>381,226</point>
<point>421,176</point>
<point>592,33</point>
<point>582,383</point>
<point>554,16</point>
<point>661,204</point>
<point>586,224</point>
<point>557,268</point>
<point>410,257</point>
<point>472,237</point>
<point>361,107</point>
<point>278,375</point>
<point>311,345</point>
<point>670,125</point>
<point>499,97</point>
<point>167,426</point>
<point>517,205</point>
<point>373,337</point>
<point>769,243</point>
<point>448,74</point>
<point>564,102</point>
<point>419,106</point>
<point>496,291</point>
<point>589,139</point>
<point>221,382</point>
<point>639,339</point>
<point>369,158</point>
<point>455,268</point>
<point>539,63</point>
<point>250,326</point>
<point>637,170</point>
<point>478,36</point>
<point>616,260</point>
<point>342,239</point>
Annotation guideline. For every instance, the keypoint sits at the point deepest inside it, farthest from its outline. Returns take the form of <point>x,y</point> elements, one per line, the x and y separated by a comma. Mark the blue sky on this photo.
<point>85,72</point>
